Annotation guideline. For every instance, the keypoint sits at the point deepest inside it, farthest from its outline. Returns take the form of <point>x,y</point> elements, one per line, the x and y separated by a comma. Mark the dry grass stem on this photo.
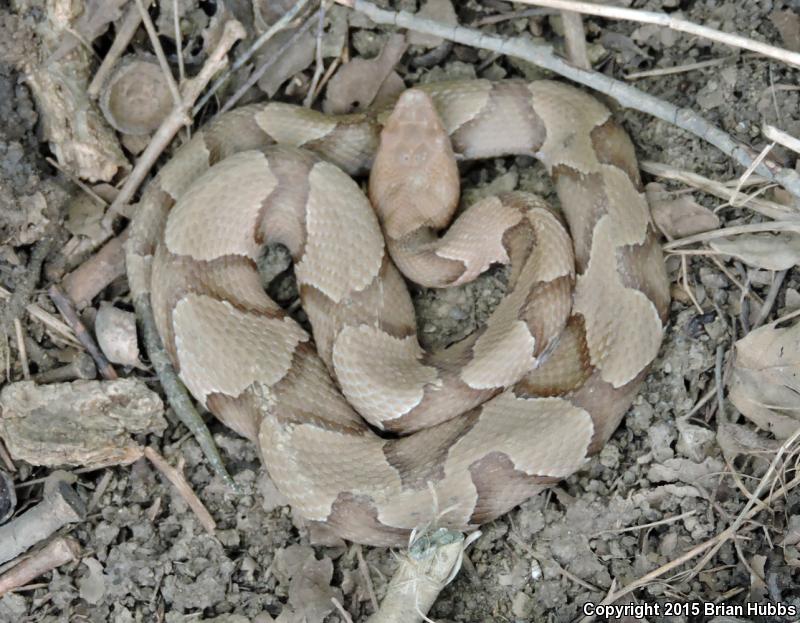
<point>254,77</point>
<point>179,117</point>
<point>624,93</point>
<point>681,25</point>
<point>162,59</point>
<point>781,137</point>
<point>23,352</point>
<point>722,190</point>
<point>678,69</point>
<point>125,31</point>
<point>750,228</point>
<point>183,487</point>
<point>273,30</point>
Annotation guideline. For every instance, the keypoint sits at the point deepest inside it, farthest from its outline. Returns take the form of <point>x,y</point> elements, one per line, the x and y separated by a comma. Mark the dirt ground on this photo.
<point>660,487</point>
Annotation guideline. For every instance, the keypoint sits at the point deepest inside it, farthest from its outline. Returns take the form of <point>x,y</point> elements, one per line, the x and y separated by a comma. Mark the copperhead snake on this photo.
<point>360,428</point>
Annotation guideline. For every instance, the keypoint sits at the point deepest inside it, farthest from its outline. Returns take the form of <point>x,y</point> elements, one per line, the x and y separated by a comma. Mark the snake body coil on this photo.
<point>480,426</point>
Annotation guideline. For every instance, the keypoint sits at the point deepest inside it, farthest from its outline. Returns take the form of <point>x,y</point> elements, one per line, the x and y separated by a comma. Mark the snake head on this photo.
<point>414,181</point>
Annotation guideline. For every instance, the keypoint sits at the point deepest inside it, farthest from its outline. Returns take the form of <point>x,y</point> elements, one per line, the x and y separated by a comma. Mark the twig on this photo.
<point>625,94</point>
<point>59,507</point>
<point>750,228</point>
<point>162,59</point>
<point>56,553</point>
<point>179,117</point>
<point>719,189</point>
<point>184,489</point>
<point>95,274</point>
<point>575,39</point>
<point>25,285</point>
<point>345,614</point>
<point>67,310</point>
<point>23,353</point>
<point>319,66</point>
<point>652,524</point>
<point>674,23</point>
<point>178,42</point>
<point>127,28</point>
<point>781,137</point>
<point>718,361</point>
<point>262,69</point>
<point>774,288</point>
<point>677,69</point>
<point>47,319</point>
<point>282,23</point>
<point>364,570</point>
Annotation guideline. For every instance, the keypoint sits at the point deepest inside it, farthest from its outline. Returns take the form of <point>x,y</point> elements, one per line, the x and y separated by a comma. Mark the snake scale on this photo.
<point>360,427</point>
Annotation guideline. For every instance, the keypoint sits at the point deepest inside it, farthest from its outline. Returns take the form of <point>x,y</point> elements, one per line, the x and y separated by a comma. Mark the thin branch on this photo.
<point>273,30</point>
<point>262,69</point>
<point>674,23</point>
<point>128,27</point>
<point>178,480</point>
<point>179,116</point>
<point>625,94</point>
<point>162,59</point>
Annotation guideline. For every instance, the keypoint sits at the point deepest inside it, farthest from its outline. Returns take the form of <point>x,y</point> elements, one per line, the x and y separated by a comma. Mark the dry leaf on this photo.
<point>680,216</point>
<point>765,250</point>
<point>765,382</point>
<point>357,84</point>
<point>309,581</point>
<point>116,335</point>
<point>440,11</point>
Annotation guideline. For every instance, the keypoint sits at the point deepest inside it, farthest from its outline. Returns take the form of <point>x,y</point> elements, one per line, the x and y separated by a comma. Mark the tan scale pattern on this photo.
<point>260,373</point>
<point>344,247</point>
<point>365,358</point>
<point>210,330</point>
<point>476,239</point>
<point>208,222</point>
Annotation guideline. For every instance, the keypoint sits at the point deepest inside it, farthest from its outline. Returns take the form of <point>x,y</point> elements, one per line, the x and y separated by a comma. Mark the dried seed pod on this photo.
<point>136,97</point>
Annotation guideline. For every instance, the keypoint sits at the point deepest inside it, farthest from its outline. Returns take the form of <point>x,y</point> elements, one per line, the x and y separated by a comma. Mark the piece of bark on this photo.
<point>83,423</point>
<point>60,506</point>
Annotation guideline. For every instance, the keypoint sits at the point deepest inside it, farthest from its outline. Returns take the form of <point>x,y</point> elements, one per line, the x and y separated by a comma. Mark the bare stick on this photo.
<point>23,352</point>
<point>67,310</point>
<point>681,25</point>
<point>781,137</point>
<point>256,75</point>
<point>770,209</point>
<point>677,69</point>
<point>273,30</point>
<point>319,66</point>
<point>162,59</point>
<point>59,507</point>
<point>179,116</point>
<point>184,489</point>
<point>56,553</point>
<point>47,319</point>
<point>95,274</point>
<point>766,308</point>
<point>750,228</point>
<point>625,94</point>
<point>575,39</point>
<point>128,27</point>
